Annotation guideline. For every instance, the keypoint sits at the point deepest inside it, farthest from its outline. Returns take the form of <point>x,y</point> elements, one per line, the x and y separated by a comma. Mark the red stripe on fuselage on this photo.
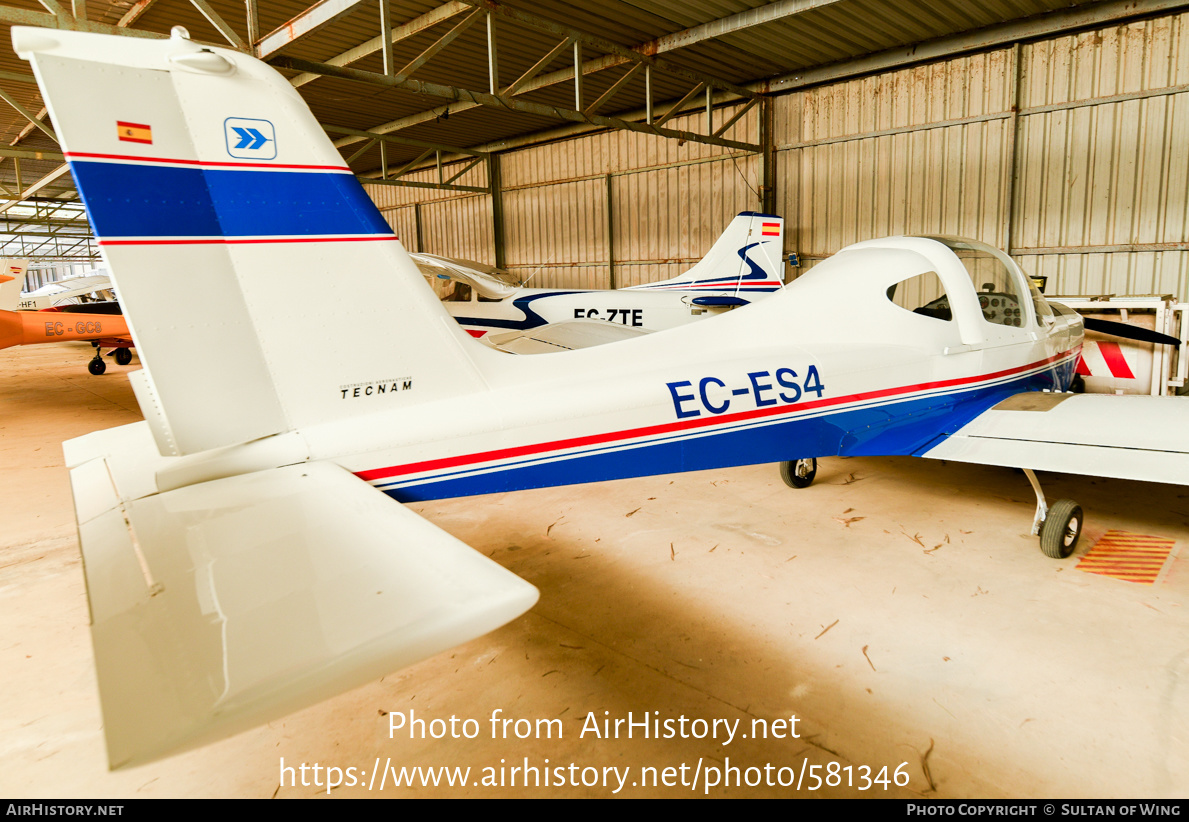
<point>664,428</point>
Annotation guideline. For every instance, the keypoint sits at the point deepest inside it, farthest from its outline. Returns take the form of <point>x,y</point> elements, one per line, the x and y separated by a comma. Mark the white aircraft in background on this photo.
<point>744,264</point>
<point>94,286</point>
<point>244,554</point>
<point>12,277</point>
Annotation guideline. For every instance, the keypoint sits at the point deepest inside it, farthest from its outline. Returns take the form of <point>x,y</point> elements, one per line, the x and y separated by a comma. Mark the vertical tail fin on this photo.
<point>12,278</point>
<point>261,284</point>
<point>747,259</point>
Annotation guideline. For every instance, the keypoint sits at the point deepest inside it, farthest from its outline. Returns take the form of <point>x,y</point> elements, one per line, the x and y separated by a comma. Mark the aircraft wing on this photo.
<point>471,273</point>
<point>226,603</point>
<point>1104,435</point>
<point>564,336</point>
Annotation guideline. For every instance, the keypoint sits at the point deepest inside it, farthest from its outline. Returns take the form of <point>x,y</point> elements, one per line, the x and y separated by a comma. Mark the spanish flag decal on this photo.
<point>134,132</point>
<point>770,230</point>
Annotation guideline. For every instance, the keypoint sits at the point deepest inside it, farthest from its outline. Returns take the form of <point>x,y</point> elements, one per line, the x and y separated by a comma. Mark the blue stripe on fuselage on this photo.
<point>880,429</point>
<point>131,200</point>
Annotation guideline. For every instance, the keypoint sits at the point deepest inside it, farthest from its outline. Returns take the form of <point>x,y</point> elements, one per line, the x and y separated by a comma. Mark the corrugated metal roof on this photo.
<point>824,32</point>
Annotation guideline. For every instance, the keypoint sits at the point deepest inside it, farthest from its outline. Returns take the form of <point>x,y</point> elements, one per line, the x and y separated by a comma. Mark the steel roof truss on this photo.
<point>506,103</point>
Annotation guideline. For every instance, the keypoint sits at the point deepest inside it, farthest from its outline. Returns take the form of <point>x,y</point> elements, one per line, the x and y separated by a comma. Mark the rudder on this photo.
<point>260,282</point>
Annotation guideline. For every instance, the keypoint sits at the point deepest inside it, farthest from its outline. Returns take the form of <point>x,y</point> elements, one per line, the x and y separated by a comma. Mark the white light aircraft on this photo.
<point>743,265</point>
<point>94,286</point>
<point>245,549</point>
<point>12,277</point>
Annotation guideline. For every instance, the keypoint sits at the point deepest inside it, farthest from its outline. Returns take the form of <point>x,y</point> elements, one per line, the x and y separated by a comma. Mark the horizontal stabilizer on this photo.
<point>219,606</point>
<point>567,336</point>
<point>1100,435</point>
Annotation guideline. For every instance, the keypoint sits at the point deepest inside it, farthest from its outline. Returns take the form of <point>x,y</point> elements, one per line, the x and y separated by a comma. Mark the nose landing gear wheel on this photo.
<point>96,366</point>
<point>798,473</point>
<point>1061,529</point>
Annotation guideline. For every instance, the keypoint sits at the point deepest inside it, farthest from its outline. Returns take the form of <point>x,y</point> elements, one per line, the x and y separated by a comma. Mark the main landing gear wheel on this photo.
<point>798,473</point>
<point>123,356</point>
<point>1061,529</point>
<point>96,366</point>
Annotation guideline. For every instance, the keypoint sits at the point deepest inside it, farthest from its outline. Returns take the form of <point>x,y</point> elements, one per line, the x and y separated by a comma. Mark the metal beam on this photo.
<point>517,84</point>
<point>414,26</point>
<point>415,184</point>
<point>1056,22</point>
<point>386,37</point>
<point>404,141</point>
<point>253,15</point>
<point>742,21</point>
<point>133,14</point>
<point>634,55</point>
<point>506,103</point>
<point>219,23</point>
<point>37,186</point>
<point>493,65</point>
<point>28,115</point>
<point>611,92</point>
<point>27,17</point>
<point>309,21</point>
<point>443,41</point>
<point>677,106</point>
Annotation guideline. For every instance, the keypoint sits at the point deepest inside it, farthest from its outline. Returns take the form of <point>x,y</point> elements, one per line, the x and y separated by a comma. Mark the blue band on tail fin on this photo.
<point>132,200</point>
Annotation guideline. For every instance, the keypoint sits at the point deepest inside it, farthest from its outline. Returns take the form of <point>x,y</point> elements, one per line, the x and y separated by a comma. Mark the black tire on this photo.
<point>798,473</point>
<point>96,366</point>
<point>1061,529</point>
<point>123,356</point>
<point>1078,385</point>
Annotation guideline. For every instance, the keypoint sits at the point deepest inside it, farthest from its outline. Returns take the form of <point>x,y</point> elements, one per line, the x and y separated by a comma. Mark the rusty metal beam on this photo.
<point>309,21</point>
<point>1055,22</point>
<point>133,14</point>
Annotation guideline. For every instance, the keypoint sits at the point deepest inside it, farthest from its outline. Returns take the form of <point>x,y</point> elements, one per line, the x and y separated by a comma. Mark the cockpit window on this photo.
<point>999,294</point>
<point>922,294</point>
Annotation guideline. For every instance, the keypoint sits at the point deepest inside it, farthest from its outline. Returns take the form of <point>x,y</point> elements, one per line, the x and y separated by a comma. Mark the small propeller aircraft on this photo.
<point>99,322</point>
<point>92,287</point>
<point>743,265</point>
<point>244,554</point>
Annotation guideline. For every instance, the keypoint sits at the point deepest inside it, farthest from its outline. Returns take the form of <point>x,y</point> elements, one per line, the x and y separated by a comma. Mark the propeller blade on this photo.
<point>1128,331</point>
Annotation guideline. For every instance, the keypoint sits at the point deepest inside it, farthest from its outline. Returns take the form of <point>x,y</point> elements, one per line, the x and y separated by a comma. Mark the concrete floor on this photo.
<point>898,608</point>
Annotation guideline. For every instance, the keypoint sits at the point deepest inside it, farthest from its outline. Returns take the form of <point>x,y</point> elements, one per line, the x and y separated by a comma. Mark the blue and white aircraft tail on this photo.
<point>241,560</point>
<point>746,260</point>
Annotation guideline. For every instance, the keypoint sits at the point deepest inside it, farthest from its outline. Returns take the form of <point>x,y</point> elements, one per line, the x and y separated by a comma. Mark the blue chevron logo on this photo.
<point>250,139</point>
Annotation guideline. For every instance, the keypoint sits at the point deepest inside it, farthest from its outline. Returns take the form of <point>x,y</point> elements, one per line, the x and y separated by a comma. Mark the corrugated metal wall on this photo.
<point>1088,184</point>
<point>606,210</point>
<point>1072,151</point>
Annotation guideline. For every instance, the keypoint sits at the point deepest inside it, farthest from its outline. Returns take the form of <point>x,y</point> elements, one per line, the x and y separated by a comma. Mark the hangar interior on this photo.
<point>897,608</point>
